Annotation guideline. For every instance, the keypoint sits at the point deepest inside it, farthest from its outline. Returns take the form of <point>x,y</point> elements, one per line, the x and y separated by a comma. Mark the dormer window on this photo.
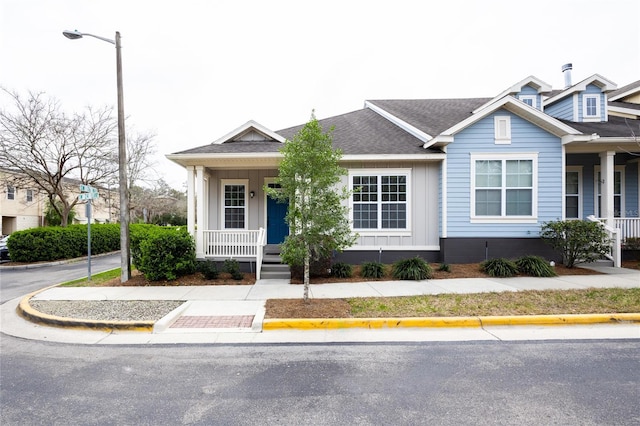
<point>502,124</point>
<point>529,100</point>
<point>591,107</point>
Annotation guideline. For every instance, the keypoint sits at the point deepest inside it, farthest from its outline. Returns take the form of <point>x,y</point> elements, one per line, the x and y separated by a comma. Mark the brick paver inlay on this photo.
<point>229,321</point>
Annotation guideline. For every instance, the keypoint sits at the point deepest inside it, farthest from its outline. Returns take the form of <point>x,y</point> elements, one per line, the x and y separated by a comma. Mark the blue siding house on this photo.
<point>450,180</point>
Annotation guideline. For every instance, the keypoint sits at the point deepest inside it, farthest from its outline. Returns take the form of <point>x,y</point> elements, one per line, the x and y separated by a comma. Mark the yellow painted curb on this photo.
<point>439,322</point>
<point>26,311</point>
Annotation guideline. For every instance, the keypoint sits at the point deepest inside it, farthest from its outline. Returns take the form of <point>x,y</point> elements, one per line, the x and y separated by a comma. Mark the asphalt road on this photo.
<point>474,383</point>
<point>18,282</point>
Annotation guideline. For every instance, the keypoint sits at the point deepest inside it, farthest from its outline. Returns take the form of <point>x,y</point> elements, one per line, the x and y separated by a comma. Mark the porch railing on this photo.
<point>629,227</point>
<point>232,244</point>
<point>616,241</point>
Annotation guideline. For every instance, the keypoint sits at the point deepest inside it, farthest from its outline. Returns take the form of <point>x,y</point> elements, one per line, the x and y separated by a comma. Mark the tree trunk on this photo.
<point>306,277</point>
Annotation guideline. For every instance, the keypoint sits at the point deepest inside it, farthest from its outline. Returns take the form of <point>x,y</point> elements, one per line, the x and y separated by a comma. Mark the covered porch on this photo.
<point>602,183</point>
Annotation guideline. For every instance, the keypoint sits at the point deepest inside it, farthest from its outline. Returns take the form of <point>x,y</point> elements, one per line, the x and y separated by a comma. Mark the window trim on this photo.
<point>379,173</point>
<point>501,139</point>
<point>527,156</point>
<point>585,115</point>
<point>574,169</point>
<point>223,184</point>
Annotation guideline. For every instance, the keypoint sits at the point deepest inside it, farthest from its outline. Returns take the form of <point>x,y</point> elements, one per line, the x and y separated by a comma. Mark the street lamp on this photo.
<point>125,264</point>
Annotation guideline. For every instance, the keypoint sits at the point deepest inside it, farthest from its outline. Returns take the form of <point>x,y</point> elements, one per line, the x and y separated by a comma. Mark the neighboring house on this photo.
<point>23,208</point>
<point>450,180</point>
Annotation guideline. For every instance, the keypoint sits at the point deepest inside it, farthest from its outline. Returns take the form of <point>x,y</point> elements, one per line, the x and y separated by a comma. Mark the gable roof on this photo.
<point>603,83</point>
<point>532,81</point>
<point>251,131</point>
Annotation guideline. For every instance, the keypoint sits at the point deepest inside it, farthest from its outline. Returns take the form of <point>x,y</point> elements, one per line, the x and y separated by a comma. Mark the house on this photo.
<point>22,206</point>
<point>450,180</point>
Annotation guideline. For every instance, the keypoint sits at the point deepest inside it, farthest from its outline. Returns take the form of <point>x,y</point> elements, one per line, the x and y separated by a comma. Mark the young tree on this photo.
<point>309,176</point>
<point>46,147</point>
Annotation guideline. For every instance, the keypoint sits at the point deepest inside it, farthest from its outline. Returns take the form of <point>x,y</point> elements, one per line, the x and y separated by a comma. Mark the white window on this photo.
<point>504,187</point>
<point>502,128</point>
<point>529,100</point>
<point>591,106</point>
<point>380,200</point>
<point>11,192</point>
<point>234,204</point>
<point>618,190</point>
<point>573,193</point>
<point>29,195</point>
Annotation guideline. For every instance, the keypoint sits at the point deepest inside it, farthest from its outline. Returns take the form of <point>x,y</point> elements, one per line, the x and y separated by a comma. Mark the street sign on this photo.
<point>87,188</point>
<point>88,196</point>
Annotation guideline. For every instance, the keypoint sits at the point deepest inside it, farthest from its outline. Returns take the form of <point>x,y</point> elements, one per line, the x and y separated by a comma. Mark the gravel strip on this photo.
<point>107,310</point>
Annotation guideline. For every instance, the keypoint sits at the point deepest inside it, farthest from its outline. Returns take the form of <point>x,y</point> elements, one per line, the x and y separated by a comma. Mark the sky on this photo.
<point>194,70</point>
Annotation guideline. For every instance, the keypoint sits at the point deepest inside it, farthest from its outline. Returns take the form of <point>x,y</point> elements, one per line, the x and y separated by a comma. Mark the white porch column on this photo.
<point>606,186</point>
<point>191,201</point>
<point>200,211</point>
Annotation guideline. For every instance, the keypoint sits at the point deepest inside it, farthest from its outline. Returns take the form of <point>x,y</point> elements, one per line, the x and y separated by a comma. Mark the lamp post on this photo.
<point>125,264</point>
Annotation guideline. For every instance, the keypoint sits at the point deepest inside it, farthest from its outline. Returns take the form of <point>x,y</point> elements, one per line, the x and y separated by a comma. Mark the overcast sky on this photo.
<point>196,69</point>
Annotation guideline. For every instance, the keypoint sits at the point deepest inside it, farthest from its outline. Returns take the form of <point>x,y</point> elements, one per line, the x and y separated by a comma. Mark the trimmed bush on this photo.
<point>499,267</point>
<point>577,240</point>
<point>166,254</point>
<point>55,242</point>
<point>342,270</point>
<point>535,266</point>
<point>412,269</point>
<point>232,266</point>
<point>372,270</point>
<point>208,269</point>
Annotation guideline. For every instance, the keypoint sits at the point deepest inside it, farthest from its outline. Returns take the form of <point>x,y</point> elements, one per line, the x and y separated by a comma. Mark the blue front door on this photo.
<point>277,228</point>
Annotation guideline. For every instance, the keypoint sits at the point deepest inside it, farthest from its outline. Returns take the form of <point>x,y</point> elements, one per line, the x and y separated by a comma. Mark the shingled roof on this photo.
<point>365,132</point>
<point>432,116</point>
<point>615,127</point>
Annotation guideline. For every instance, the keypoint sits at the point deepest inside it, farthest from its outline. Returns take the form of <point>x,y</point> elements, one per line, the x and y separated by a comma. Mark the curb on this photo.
<point>27,312</point>
<point>439,322</point>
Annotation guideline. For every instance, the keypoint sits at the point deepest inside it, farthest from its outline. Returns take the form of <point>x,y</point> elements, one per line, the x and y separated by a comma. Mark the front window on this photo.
<point>29,195</point>
<point>617,194</point>
<point>11,192</point>
<point>235,206</point>
<point>503,187</point>
<point>572,194</point>
<point>380,201</point>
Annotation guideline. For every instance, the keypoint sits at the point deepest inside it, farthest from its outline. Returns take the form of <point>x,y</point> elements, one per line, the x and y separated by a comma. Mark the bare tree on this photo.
<point>158,203</point>
<point>47,148</point>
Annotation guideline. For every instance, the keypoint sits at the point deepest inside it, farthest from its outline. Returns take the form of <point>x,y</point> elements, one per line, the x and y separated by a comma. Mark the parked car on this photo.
<point>4,250</point>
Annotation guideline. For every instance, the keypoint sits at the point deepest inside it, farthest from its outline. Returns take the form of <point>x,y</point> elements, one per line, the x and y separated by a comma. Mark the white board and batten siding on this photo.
<point>422,232</point>
<point>526,138</point>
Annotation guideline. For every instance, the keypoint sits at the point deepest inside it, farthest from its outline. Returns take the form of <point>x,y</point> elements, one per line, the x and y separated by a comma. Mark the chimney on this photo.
<point>566,70</point>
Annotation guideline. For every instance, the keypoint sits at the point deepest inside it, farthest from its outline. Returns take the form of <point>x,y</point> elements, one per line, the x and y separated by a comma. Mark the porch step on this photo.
<point>272,266</point>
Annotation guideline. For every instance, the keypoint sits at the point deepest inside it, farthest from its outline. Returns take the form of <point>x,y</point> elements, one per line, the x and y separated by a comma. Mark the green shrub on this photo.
<point>232,266</point>
<point>499,267</point>
<point>166,254</point>
<point>55,242</point>
<point>341,270</point>
<point>372,270</point>
<point>208,269</point>
<point>577,240</point>
<point>632,243</point>
<point>412,269</point>
<point>444,267</point>
<point>535,266</point>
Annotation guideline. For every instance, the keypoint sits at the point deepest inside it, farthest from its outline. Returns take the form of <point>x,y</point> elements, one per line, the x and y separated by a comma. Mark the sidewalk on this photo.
<point>235,314</point>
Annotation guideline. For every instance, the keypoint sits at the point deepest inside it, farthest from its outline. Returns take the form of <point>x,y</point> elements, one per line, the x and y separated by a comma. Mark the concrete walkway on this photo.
<point>235,314</point>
